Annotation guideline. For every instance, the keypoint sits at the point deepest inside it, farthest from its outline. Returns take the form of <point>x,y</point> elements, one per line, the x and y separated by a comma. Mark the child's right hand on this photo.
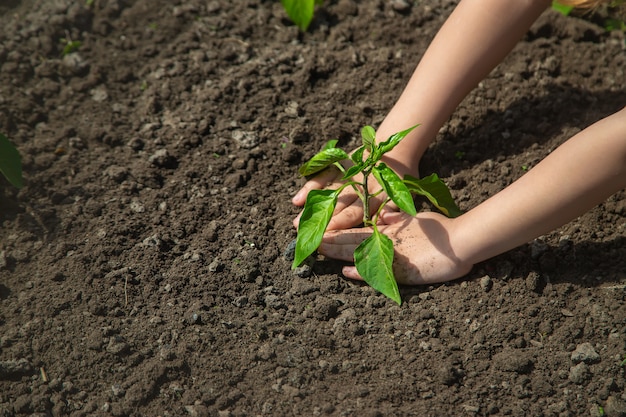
<point>349,209</point>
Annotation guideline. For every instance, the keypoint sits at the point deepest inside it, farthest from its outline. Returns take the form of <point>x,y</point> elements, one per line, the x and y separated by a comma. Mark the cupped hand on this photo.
<point>423,245</point>
<point>349,209</point>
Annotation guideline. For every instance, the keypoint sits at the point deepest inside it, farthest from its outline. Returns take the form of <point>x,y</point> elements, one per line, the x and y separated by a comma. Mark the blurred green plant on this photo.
<point>613,14</point>
<point>10,162</point>
<point>69,46</point>
<point>301,11</point>
<point>562,8</point>
<point>614,24</point>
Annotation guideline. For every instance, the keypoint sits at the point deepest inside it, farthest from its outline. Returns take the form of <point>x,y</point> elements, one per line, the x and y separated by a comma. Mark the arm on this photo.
<point>473,40</point>
<point>578,175</point>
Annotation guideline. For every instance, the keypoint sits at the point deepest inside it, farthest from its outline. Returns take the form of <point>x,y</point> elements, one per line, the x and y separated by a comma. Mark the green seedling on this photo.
<point>562,8</point>
<point>10,162</point>
<point>301,11</point>
<point>610,24</point>
<point>614,24</point>
<point>373,258</point>
<point>69,46</point>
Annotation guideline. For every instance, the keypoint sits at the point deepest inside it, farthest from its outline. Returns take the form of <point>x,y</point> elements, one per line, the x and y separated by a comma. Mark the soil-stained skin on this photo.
<point>141,266</point>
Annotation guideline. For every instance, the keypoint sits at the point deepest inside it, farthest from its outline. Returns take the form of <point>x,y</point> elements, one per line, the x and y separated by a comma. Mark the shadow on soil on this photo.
<point>529,120</point>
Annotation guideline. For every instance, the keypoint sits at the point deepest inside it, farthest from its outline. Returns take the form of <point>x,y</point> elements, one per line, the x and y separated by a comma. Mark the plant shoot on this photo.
<point>300,11</point>
<point>10,162</point>
<point>373,258</point>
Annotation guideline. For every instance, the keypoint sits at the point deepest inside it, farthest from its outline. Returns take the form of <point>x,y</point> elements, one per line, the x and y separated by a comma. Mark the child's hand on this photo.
<point>349,209</point>
<point>424,253</point>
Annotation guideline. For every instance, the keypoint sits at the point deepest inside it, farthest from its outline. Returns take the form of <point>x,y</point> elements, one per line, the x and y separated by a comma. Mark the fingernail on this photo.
<point>298,196</point>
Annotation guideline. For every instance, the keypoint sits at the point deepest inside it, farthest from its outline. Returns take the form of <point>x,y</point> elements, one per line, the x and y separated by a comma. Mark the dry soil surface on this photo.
<point>141,266</point>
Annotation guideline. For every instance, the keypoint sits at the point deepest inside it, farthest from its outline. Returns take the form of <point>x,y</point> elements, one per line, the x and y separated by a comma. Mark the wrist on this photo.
<point>405,157</point>
<point>466,240</point>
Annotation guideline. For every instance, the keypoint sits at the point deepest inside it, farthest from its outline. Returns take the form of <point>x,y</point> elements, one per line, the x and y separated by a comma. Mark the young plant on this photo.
<point>69,46</point>
<point>300,11</point>
<point>10,162</point>
<point>565,10</point>
<point>373,258</point>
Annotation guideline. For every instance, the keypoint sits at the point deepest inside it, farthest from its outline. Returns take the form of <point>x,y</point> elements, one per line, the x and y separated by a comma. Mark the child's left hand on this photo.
<point>424,248</point>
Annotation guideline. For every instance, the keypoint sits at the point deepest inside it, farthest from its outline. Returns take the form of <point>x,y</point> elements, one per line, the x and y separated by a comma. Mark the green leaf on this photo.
<point>318,209</point>
<point>373,259</point>
<point>323,159</point>
<point>70,46</point>
<point>300,12</point>
<point>391,143</point>
<point>368,134</point>
<point>330,144</point>
<point>352,171</point>
<point>10,162</point>
<point>561,8</point>
<point>435,191</point>
<point>395,188</point>
<point>614,24</point>
<point>357,156</point>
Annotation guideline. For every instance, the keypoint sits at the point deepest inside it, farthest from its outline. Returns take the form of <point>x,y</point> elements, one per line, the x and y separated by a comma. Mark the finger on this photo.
<point>348,213</point>
<point>340,252</point>
<point>341,244</point>
<point>347,237</point>
<point>392,217</point>
<point>316,183</point>
<point>348,200</point>
<point>296,221</point>
<point>390,207</point>
<point>351,272</point>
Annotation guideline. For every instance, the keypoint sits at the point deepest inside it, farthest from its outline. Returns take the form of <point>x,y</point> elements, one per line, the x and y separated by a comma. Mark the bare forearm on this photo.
<point>577,176</point>
<point>474,39</point>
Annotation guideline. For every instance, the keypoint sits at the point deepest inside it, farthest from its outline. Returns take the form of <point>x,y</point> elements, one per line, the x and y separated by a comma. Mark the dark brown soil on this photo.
<point>142,269</point>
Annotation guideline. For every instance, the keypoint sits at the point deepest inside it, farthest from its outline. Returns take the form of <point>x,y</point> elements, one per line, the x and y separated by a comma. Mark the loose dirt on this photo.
<point>142,269</point>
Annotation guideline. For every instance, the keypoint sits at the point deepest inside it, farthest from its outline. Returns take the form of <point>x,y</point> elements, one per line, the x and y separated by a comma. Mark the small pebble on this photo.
<point>290,251</point>
<point>585,353</point>
<point>162,159</point>
<point>486,283</point>
<point>615,407</point>
<point>578,374</point>
<point>400,6</point>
